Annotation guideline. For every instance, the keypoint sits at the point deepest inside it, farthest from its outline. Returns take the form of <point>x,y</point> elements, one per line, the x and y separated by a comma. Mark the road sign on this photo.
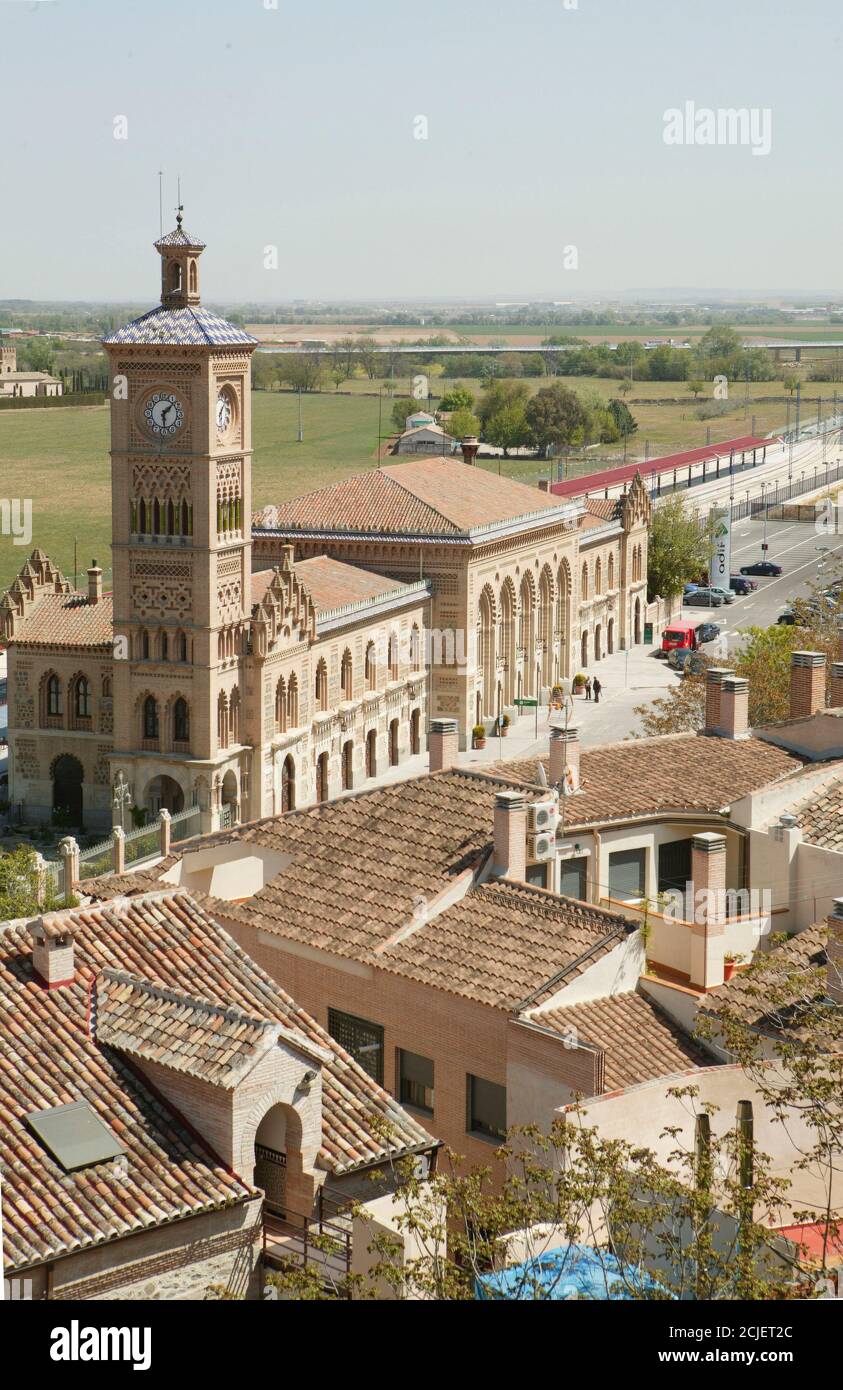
<point>526,704</point>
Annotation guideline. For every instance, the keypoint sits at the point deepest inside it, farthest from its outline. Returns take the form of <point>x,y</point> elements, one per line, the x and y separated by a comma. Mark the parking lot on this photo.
<point>798,547</point>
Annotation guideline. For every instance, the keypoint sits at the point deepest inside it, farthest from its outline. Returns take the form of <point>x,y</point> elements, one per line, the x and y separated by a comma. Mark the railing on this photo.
<point>143,843</point>
<point>99,859</point>
<point>52,878</point>
<point>186,823</point>
<point>300,1241</point>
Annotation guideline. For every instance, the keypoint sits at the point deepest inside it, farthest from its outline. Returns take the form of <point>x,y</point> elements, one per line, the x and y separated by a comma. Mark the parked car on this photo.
<point>741,584</point>
<point>788,617</point>
<point>686,661</point>
<point>689,588</point>
<point>706,632</point>
<point>705,598</point>
<point>762,567</point>
<point>728,595</point>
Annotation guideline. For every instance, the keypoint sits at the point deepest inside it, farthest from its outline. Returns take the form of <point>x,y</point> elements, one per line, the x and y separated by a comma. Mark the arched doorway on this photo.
<point>598,639</point>
<point>278,1135</point>
<point>372,753</point>
<point>546,625</point>
<point>637,637</point>
<point>415,732</point>
<point>393,742</point>
<point>563,618</point>
<point>164,794</point>
<point>288,785</point>
<point>322,777</point>
<point>610,636</point>
<point>487,655</point>
<point>229,797</point>
<point>347,765</point>
<point>584,652</point>
<point>68,775</point>
<point>507,646</point>
<point>527,633</point>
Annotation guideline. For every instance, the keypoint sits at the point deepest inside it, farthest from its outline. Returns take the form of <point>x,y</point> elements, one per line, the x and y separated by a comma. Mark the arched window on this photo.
<point>288,785</point>
<point>584,582</point>
<point>222,720</point>
<point>164,646</point>
<point>321,685</point>
<point>150,717</point>
<point>181,721</point>
<point>144,645</point>
<point>184,522</point>
<point>142,516</point>
<point>392,657</point>
<point>281,707</point>
<point>371,670</point>
<point>193,277</point>
<point>171,518</point>
<point>181,647</point>
<point>106,687</point>
<point>347,675</point>
<point>156,518</point>
<point>234,712</point>
<point>55,703</point>
<point>292,703</point>
<point>82,698</point>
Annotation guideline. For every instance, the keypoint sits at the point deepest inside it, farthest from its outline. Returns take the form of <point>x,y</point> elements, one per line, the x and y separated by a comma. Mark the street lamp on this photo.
<point>122,797</point>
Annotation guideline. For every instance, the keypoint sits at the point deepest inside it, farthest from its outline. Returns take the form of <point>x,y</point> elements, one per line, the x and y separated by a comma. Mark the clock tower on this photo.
<point>181,526</point>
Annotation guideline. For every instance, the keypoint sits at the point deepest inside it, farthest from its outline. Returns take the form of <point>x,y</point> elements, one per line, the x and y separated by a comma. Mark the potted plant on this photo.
<point>503,725</point>
<point>579,682</point>
<point>478,735</point>
<point>730,964</point>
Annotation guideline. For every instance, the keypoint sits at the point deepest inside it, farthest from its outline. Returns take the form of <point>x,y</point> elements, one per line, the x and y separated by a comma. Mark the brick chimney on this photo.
<point>834,951</point>
<point>94,583</point>
<point>837,685</point>
<point>807,684</point>
<point>714,677</point>
<point>510,859</point>
<point>708,877</point>
<point>470,445</point>
<point>734,707</point>
<point>565,756</point>
<point>52,949</point>
<point>443,743</point>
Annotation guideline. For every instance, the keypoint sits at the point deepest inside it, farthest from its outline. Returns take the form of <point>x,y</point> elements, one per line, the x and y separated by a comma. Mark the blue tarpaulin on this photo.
<point>572,1271</point>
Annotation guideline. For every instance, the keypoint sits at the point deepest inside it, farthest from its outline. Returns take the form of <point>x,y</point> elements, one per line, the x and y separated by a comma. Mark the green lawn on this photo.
<point>59,457</point>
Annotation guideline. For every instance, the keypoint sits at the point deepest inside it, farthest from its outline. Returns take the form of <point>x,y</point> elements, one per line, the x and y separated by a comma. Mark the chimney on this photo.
<point>443,744</point>
<point>807,684</point>
<point>94,583</point>
<point>714,677</point>
<point>565,757</point>
<point>837,685</point>
<point>734,707</point>
<point>510,836</point>
<point>52,949</point>
<point>708,880</point>
<point>470,445</point>
<point>834,952</point>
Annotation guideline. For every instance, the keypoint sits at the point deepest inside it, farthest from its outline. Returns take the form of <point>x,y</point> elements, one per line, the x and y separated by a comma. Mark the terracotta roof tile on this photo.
<point>424,496</point>
<point>677,772</point>
<point>747,998</point>
<point>66,620</point>
<point>333,583</point>
<point>821,818</point>
<point>639,1040</point>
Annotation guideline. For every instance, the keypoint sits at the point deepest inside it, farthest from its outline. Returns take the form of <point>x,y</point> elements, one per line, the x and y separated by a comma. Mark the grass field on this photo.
<point>59,458</point>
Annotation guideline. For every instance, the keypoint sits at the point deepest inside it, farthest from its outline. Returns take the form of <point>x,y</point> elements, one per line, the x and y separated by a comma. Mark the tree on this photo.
<point>497,394</point>
<point>463,423</point>
<point>625,386</point>
<point>19,885</point>
<point>37,355</point>
<point>684,1227</point>
<point>696,387</point>
<point>553,416</point>
<point>508,428</point>
<point>302,370</point>
<point>625,421</point>
<point>401,408</point>
<point>458,398</point>
<point>678,549</point>
<point>790,384</point>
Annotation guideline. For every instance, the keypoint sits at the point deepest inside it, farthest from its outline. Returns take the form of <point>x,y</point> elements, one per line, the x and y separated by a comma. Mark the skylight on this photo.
<point>75,1135</point>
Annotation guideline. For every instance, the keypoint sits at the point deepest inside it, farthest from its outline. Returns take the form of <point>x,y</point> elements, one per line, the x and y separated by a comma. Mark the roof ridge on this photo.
<point>230,1013</point>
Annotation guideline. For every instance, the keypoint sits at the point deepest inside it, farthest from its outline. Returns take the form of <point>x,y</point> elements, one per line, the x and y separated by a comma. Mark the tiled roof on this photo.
<point>676,772</point>
<point>821,818</point>
<point>167,943</point>
<point>180,237</point>
<point>639,1040</point>
<point>504,941</point>
<point>333,583</point>
<point>66,620</point>
<point>186,1034</point>
<point>748,996</point>
<point>424,496</point>
<point>364,869</point>
<point>607,508</point>
<point>181,327</point>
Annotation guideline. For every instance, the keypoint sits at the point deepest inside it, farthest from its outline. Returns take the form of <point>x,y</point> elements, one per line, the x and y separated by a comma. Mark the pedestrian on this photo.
<point>588,687</point>
<point>597,688</point>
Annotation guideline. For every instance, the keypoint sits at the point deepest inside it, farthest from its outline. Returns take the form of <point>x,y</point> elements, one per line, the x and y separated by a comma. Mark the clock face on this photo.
<point>163,414</point>
<point>225,411</point>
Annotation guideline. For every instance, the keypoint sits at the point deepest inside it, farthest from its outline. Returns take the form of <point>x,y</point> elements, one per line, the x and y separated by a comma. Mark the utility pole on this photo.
<point>300,439</point>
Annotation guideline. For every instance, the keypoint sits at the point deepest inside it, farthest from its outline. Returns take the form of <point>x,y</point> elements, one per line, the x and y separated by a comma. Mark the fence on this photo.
<point>184,824</point>
<point>143,843</point>
<point>781,493</point>
<point>99,859</point>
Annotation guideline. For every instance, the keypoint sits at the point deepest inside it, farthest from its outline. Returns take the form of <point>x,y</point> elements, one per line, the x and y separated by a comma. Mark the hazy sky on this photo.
<point>294,126</point>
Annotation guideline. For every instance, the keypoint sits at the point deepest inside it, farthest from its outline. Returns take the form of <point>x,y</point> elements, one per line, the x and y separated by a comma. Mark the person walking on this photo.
<point>597,688</point>
<point>588,687</point>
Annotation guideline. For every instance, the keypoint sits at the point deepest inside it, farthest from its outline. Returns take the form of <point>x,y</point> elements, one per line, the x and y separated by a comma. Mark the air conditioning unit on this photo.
<point>543,815</point>
<point>542,846</point>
